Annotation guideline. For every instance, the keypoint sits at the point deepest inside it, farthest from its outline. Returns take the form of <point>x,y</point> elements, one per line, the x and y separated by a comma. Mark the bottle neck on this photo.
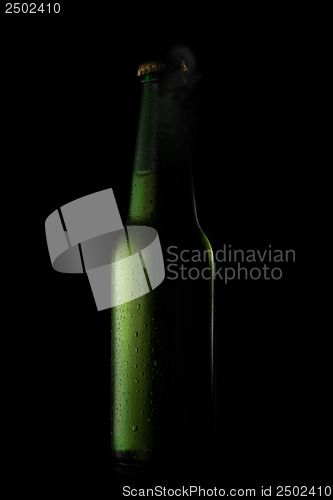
<point>162,188</point>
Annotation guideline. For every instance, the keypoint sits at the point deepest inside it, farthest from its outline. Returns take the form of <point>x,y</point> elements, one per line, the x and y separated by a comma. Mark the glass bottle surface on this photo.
<point>162,347</point>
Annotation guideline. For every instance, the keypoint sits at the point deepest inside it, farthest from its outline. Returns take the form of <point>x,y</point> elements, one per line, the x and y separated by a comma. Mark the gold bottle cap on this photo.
<point>152,67</point>
<point>158,65</point>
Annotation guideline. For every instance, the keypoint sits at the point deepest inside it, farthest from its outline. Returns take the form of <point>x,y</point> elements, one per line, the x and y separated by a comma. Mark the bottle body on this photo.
<point>162,364</point>
<point>162,347</point>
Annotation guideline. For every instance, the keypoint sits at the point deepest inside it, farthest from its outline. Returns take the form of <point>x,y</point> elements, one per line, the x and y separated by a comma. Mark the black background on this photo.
<point>71,100</point>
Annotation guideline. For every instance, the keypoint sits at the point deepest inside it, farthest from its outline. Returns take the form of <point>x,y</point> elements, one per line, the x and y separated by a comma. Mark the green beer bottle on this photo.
<point>162,345</point>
